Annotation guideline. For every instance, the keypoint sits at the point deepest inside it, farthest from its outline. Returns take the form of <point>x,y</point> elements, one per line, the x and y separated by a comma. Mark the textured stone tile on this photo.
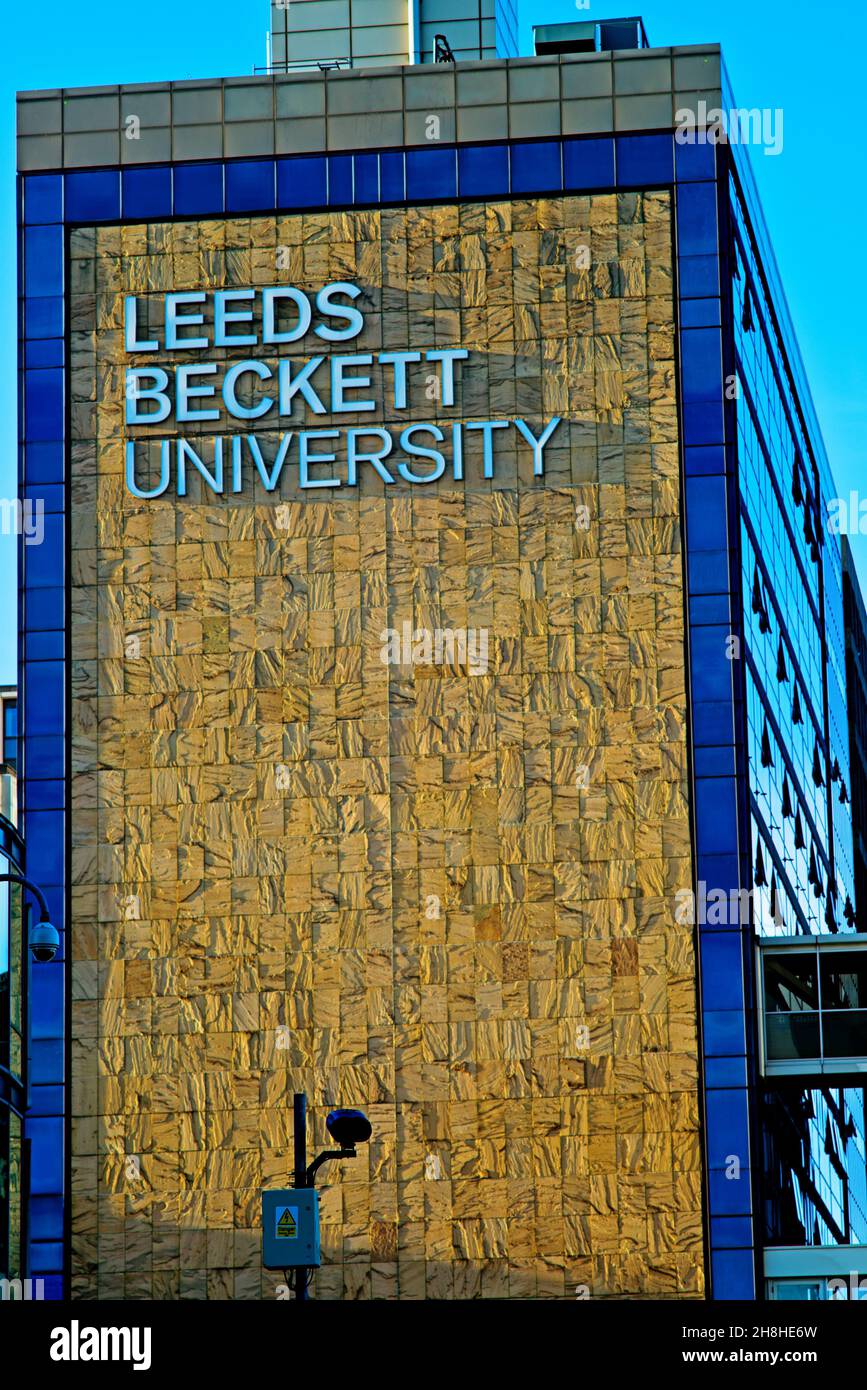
<point>444,897</point>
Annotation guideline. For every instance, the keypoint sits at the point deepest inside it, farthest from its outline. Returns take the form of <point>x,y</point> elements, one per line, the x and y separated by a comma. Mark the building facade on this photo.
<point>433,680</point>
<point>14,1175</point>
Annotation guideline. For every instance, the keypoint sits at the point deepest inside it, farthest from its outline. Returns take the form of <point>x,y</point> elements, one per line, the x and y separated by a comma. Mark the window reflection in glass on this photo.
<point>844,979</point>
<point>790,982</point>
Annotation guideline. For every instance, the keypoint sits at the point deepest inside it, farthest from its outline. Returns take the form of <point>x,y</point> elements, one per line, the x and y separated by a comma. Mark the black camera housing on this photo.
<point>348,1128</point>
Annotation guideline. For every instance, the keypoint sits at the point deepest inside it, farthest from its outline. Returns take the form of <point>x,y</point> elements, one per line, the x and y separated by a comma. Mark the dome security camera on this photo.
<point>348,1127</point>
<point>44,942</point>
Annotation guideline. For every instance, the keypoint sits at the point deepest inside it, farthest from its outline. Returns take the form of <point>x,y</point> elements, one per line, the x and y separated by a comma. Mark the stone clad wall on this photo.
<point>441,896</point>
<point>375,108</point>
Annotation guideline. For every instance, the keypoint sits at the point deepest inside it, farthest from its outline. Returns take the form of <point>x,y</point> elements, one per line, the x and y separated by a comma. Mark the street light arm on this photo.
<point>323,1158</point>
<point>44,914</point>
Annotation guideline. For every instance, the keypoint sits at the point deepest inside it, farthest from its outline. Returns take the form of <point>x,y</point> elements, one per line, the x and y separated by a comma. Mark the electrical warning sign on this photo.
<point>286,1223</point>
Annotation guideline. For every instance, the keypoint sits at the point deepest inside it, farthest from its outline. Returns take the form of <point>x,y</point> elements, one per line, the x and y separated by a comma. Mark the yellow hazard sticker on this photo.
<point>286,1223</point>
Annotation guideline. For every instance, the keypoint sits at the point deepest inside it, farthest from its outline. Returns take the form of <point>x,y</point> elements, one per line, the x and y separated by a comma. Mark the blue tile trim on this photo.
<point>712,565</point>
<point>42,689</point>
<point>146,193</point>
<point>48,202</point>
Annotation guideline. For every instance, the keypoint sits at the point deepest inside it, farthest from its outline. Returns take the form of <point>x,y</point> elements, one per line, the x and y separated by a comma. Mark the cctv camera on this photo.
<point>44,941</point>
<point>348,1128</point>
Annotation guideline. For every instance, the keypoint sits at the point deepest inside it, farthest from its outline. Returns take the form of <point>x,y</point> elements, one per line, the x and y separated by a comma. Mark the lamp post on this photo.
<point>43,942</point>
<point>348,1128</point>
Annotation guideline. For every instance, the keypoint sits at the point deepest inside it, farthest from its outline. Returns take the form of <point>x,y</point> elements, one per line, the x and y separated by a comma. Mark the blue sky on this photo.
<point>807,61</point>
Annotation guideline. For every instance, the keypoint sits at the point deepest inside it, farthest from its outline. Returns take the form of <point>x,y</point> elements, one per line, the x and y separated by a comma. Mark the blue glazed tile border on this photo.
<point>430,173</point>
<point>49,202</point>
<point>146,193</point>
<point>42,625</point>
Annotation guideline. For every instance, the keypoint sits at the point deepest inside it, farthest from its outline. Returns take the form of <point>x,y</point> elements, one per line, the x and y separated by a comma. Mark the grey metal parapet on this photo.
<point>366,108</point>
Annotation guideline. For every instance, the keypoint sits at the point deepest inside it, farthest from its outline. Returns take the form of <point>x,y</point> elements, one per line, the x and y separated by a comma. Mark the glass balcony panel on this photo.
<point>790,983</point>
<point>844,980</point>
<point>845,1032</point>
<point>798,1290</point>
<point>791,1036</point>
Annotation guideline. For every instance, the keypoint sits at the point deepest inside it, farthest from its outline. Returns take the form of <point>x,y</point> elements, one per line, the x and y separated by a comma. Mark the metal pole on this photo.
<point>299,1108</point>
<point>27,1040</point>
<point>26,1045</point>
